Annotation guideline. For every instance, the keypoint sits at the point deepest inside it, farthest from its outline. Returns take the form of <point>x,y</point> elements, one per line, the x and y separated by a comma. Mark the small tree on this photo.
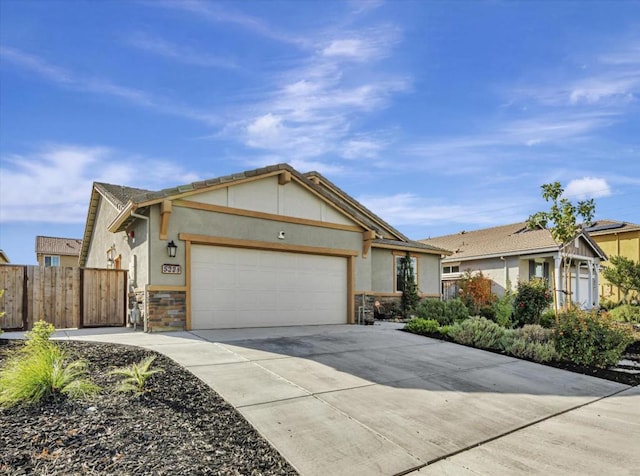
<point>562,222</point>
<point>410,297</point>
<point>475,291</point>
<point>623,273</point>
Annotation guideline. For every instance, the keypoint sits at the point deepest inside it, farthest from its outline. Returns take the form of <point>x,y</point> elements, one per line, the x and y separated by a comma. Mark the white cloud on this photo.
<point>410,209</point>
<point>102,86</point>
<point>217,13</point>
<point>587,187</point>
<point>361,148</point>
<point>54,184</point>
<point>179,53</point>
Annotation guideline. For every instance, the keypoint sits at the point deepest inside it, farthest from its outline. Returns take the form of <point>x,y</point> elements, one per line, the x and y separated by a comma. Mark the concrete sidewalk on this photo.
<point>371,400</point>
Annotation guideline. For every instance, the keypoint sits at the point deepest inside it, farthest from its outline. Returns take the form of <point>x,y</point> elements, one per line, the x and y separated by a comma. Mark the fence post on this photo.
<point>25,299</point>
<point>81,291</point>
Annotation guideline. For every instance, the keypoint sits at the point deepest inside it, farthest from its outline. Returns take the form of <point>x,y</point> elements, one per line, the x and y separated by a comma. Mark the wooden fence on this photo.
<point>65,297</point>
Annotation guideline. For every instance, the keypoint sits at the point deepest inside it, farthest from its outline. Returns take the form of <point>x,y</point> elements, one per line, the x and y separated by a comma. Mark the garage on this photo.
<point>238,287</point>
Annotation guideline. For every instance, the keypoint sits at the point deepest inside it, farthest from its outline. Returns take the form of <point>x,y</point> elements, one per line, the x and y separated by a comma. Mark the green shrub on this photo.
<point>607,304</point>
<point>445,312</point>
<point>136,375</point>
<point>478,332</point>
<point>548,318</point>
<point>626,313</point>
<point>39,336</point>
<point>530,342</point>
<point>455,311</point>
<point>537,351</point>
<point>418,325</point>
<point>531,299</point>
<point>431,309</point>
<point>41,370</point>
<point>503,309</point>
<point>590,339</point>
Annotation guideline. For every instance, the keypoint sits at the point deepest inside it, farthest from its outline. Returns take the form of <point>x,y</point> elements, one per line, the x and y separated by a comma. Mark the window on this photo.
<point>52,261</point>
<point>414,266</point>
<point>451,269</point>
<point>538,269</point>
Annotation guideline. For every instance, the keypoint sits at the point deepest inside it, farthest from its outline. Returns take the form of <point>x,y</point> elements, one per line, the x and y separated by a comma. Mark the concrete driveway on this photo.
<point>355,400</point>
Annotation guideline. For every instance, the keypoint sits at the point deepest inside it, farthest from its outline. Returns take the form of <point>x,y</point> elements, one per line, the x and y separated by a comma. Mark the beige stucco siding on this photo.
<point>496,269</point>
<point>214,224</point>
<point>267,196</point>
<point>428,274</point>
<point>383,272</point>
<point>65,261</point>
<point>102,239</point>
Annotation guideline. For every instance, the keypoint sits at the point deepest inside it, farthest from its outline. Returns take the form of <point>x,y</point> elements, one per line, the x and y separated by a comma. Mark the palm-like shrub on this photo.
<point>136,375</point>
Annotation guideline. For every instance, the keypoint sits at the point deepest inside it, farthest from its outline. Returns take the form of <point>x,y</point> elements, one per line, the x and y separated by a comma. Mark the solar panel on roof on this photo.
<point>611,226</point>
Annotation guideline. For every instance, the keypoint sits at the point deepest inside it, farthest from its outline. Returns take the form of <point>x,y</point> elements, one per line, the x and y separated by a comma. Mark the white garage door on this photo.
<point>232,287</point>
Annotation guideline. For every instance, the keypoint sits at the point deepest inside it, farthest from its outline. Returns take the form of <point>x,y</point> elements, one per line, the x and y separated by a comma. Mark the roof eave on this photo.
<point>415,249</point>
<point>501,255</point>
<point>121,218</point>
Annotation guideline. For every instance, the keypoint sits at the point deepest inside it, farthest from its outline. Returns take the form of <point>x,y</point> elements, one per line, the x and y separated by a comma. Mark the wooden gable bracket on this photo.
<point>367,238</point>
<point>284,178</point>
<point>165,213</point>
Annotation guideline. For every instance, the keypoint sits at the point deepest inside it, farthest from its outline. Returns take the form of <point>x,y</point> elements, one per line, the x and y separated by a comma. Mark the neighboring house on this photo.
<point>512,253</point>
<point>266,247</point>
<point>4,259</point>
<point>616,238</point>
<point>52,251</point>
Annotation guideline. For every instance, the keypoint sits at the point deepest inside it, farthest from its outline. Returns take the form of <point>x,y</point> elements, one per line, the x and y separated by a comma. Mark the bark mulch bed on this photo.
<point>180,427</point>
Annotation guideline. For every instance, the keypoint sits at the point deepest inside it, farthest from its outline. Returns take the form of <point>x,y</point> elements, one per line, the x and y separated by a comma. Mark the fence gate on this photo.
<point>104,297</point>
<point>64,296</point>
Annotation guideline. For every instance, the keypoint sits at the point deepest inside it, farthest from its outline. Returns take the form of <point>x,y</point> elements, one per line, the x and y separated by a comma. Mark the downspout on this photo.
<point>146,297</point>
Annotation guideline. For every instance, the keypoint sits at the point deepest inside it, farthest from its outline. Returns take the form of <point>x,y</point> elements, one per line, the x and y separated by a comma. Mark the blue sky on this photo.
<point>439,116</point>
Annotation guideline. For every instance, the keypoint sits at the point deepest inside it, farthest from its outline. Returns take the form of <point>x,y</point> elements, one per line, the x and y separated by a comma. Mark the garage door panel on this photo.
<point>233,287</point>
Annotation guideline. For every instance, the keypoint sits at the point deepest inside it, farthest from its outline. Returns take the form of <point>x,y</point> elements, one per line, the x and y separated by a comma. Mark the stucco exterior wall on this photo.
<point>429,274</point>
<point>267,196</point>
<point>498,270</point>
<point>625,244</point>
<point>186,220</point>
<point>383,272</point>
<point>103,239</point>
<point>65,261</point>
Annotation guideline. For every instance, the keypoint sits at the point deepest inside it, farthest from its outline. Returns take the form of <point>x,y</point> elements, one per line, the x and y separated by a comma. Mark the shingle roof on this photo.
<point>120,195</point>
<point>410,244</point>
<point>607,227</point>
<point>58,246</point>
<point>356,208</point>
<point>507,239</point>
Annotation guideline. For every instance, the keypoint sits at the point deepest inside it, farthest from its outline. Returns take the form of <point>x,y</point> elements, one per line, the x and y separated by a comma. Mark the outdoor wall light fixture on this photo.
<point>111,256</point>
<point>171,249</point>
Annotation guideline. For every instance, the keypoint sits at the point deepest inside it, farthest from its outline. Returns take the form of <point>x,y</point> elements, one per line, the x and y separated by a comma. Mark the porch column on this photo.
<point>590,264</point>
<point>596,281</point>
<point>557,266</point>
<point>577,299</point>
